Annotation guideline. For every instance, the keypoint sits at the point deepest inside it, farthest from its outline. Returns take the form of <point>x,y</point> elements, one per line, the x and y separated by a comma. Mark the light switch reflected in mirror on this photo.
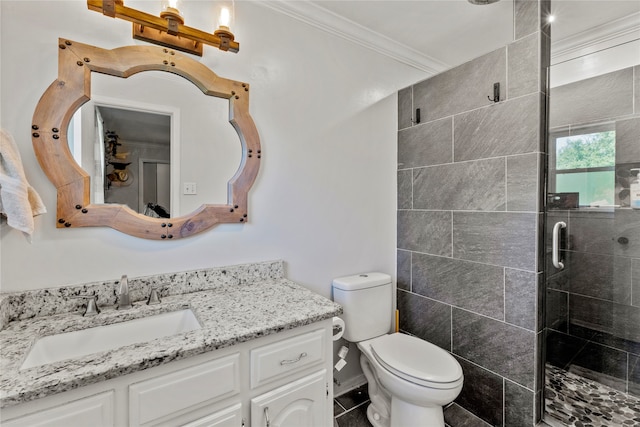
<point>146,140</point>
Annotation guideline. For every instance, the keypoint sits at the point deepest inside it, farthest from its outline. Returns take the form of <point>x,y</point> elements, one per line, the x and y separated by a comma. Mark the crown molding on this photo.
<point>602,37</point>
<point>335,24</point>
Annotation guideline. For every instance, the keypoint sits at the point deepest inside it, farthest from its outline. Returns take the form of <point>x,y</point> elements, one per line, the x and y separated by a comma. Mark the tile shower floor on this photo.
<point>575,401</point>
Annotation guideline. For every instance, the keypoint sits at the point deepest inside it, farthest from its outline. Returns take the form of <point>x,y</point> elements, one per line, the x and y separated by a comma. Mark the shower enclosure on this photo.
<point>592,305</point>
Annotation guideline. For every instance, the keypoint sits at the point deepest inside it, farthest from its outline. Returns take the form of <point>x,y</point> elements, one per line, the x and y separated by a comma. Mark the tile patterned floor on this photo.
<point>350,409</point>
<point>578,402</point>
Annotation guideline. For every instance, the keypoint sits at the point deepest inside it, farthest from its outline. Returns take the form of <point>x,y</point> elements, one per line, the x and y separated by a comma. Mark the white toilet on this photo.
<point>410,379</point>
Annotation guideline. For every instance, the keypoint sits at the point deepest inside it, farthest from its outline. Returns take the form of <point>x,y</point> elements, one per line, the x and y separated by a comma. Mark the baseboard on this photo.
<point>348,385</point>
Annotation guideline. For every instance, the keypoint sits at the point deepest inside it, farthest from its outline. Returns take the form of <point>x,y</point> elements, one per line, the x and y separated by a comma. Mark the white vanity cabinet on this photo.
<point>287,375</point>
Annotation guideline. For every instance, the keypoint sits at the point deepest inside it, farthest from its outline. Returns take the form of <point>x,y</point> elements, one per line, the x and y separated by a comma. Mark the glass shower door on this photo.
<point>592,372</point>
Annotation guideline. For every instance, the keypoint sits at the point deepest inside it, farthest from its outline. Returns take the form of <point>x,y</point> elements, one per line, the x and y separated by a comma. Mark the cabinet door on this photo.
<point>95,411</point>
<point>300,403</point>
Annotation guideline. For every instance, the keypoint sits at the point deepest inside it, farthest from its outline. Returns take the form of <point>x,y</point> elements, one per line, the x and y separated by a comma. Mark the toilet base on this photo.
<point>405,414</point>
<point>375,418</point>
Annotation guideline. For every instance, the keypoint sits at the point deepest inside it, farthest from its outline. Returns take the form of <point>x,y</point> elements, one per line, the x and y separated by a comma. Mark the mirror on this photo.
<point>192,136</point>
<point>54,137</point>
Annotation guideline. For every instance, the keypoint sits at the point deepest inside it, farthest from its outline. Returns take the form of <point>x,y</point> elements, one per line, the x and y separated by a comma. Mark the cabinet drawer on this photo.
<point>229,417</point>
<point>169,394</point>
<point>95,411</point>
<point>291,355</point>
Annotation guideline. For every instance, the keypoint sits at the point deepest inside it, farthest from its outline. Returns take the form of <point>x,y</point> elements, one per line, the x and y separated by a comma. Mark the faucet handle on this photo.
<point>154,297</point>
<point>124,302</point>
<point>92,304</point>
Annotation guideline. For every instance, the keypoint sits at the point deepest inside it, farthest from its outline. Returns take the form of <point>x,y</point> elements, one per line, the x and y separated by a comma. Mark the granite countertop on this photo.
<point>229,313</point>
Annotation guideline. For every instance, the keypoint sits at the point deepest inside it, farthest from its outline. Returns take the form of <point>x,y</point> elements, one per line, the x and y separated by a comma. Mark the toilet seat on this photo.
<point>417,361</point>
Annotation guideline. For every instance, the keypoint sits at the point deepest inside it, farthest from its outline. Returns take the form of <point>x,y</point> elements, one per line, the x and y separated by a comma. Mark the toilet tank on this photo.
<point>367,303</point>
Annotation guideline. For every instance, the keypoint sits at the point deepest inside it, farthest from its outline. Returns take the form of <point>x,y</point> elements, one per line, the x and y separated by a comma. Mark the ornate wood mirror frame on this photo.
<point>76,62</point>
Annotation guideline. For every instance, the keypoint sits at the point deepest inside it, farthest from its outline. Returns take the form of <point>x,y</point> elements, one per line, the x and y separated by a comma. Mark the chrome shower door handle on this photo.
<point>555,250</point>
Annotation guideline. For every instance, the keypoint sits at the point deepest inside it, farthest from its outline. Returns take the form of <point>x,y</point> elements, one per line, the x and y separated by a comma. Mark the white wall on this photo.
<point>325,198</point>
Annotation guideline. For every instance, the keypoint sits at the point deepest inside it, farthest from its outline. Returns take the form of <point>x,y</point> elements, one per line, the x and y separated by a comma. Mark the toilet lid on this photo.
<point>416,360</point>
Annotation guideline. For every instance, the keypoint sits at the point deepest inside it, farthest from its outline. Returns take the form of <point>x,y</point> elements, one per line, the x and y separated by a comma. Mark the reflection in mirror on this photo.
<point>191,140</point>
<point>137,157</point>
<point>591,162</point>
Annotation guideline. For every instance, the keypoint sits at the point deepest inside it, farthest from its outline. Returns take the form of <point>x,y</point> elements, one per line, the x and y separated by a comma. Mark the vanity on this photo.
<point>259,355</point>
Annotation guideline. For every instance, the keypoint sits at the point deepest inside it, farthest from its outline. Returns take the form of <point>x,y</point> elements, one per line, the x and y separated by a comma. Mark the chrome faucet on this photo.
<point>92,305</point>
<point>123,294</point>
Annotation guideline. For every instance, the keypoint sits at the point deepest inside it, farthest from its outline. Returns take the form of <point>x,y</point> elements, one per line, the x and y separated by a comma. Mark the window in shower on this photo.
<point>583,165</point>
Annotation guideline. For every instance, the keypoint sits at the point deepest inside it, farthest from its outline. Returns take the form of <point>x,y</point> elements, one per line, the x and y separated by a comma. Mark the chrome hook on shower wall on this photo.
<point>496,93</point>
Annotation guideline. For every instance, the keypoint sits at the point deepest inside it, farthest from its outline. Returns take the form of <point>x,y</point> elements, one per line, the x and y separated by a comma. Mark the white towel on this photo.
<point>19,202</point>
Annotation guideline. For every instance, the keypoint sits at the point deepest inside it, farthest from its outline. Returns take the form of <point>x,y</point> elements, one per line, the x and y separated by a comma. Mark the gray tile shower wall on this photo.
<point>627,131</point>
<point>463,88</point>
<point>597,98</point>
<point>469,214</point>
<point>501,129</point>
<point>593,305</point>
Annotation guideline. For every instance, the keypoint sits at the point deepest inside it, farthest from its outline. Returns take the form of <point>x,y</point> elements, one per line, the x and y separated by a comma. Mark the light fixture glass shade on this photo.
<point>172,6</point>
<point>225,11</point>
<point>175,4</point>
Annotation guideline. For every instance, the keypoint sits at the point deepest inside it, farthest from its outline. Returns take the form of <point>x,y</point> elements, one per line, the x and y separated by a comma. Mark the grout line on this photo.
<point>504,400</point>
<point>468,260</point>
<point>460,162</point>
<point>451,328</point>
<point>504,295</point>
<point>588,341</point>
<point>412,179</point>
<point>632,278</point>
<point>627,376</point>
<point>493,372</point>
<point>506,184</point>
<point>469,311</point>
<point>452,233</point>
<point>506,71</point>
<point>410,274</point>
<point>355,407</point>
<point>453,139</point>
<point>473,211</point>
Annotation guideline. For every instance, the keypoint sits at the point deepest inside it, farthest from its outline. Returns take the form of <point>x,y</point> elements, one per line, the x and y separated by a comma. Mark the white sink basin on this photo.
<point>70,345</point>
